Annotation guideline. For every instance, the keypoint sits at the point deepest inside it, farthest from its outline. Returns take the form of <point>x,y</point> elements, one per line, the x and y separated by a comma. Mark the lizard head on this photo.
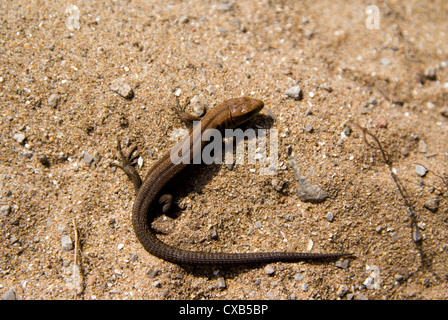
<point>243,108</point>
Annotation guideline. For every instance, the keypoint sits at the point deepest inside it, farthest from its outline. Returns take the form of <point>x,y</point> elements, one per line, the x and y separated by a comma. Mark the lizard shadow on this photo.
<point>184,185</point>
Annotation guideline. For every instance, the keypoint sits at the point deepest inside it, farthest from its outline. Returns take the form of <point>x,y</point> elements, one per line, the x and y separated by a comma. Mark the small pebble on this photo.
<point>432,205</point>
<point>278,186</point>
<point>347,131</point>
<point>381,122</point>
<point>420,170</point>
<point>422,146</point>
<point>214,234</point>
<point>343,264</point>
<point>5,209</point>
<point>306,191</point>
<point>404,151</point>
<point>221,283</point>
<point>398,277</point>
<point>385,61</point>
<point>53,100</point>
<point>329,216</point>
<point>27,154</point>
<point>19,137</point>
<point>152,273</point>
<point>211,90</point>
<point>342,290</point>
<point>394,236</point>
<point>198,105</point>
<point>360,296</point>
<point>298,277</point>
<point>183,19</point>
<point>416,236</point>
<point>89,158</point>
<point>304,287</point>
<point>269,270</point>
<point>294,92</point>
<point>66,243</point>
<point>309,128</point>
<point>9,295</point>
<point>444,111</point>
<point>43,159</point>
<point>122,88</point>
<point>430,73</point>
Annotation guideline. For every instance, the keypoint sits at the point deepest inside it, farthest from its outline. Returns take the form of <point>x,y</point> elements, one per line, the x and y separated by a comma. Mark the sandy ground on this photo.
<point>60,121</point>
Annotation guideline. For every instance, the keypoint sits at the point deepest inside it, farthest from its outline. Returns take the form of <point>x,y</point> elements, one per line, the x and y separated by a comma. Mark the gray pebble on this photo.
<point>304,287</point>
<point>299,276</point>
<point>329,216</point>
<point>152,273</point>
<point>422,146</point>
<point>221,283</point>
<point>53,100</point>
<point>420,170</point>
<point>308,112</point>
<point>9,295</point>
<point>430,73</point>
<point>360,296</point>
<point>372,101</point>
<point>269,270</point>
<point>258,225</point>
<point>385,61</point>
<point>398,277</point>
<point>66,243</point>
<point>211,89</point>
<point>343,264</point>
<point>432,205</point>
<point>306,191</point>
<point>13,239</point>
<point>416,236</point>
<point>198,105</point>
<point>309,128</point>
<point>19,137</point>
<point>5,209</point>
<point>347,131</point>
<point>90,158</point>
<point>404,152</point>
<point>183,19</point>
<point>27,154</point>
<point>122,88</point>
<point>214,234</point>
<point>342,290</point>
<point>165,293</point>
<point>278,186</point>
<point>294,92</point>
<point>394,236</point>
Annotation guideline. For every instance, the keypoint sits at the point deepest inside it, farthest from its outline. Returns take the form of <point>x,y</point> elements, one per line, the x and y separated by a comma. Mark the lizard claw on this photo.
<point>128,160</point>
<point>127,164</point>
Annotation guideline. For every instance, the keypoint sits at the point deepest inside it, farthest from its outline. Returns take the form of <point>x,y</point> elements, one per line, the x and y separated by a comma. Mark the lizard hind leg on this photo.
<point>127,164</point>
